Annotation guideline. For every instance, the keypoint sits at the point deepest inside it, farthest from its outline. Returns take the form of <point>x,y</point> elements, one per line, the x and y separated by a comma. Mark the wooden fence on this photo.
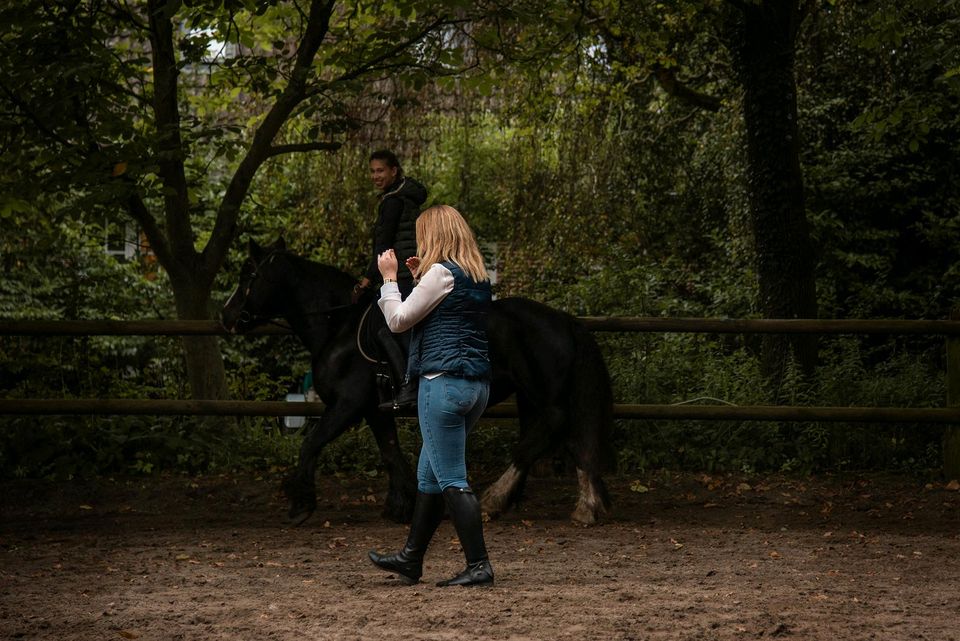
<point>949,415</point>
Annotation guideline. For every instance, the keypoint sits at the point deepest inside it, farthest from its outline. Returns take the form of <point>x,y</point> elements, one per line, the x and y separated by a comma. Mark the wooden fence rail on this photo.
<point>593,323</point>
<point>948,328</point>
<point>78,407</point>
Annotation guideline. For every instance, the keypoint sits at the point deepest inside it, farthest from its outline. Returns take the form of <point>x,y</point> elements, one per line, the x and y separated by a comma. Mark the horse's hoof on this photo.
<point>584,520</point>
<point>303,500</point>
<point>585,516</point>
<point>297,517</point>
<point>492,507</point>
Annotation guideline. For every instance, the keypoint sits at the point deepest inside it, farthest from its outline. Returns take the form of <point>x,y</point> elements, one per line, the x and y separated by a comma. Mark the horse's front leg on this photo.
<point>539,426</point>
<point>401,492</point>
<point>300,487</point>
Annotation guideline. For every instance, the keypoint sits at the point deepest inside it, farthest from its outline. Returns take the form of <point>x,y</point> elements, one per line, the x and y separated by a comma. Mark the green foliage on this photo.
<point>853,372</point>
<point>881,153</point>
<point>550,127</point>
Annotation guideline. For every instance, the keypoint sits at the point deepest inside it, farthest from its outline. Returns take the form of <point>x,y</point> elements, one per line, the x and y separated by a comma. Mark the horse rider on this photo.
<point>399,206</point>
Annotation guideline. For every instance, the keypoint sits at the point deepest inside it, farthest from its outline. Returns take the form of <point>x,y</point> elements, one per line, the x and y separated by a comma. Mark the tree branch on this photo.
<point>372,64</point>
<point>126,13</point>
<point>673,87</point>
<point>169,143</point>
<point>666,77</point>
<point>32,117</point>
<point>277,150</point>
<point>158,242</point>
<point>224,229</point>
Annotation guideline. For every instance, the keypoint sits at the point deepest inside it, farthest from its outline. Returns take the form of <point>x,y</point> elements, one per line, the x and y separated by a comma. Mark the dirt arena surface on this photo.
<point>679,557</point>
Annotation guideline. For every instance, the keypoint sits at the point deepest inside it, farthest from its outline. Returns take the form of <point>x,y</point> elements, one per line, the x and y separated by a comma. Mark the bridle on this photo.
<point>245,316</point>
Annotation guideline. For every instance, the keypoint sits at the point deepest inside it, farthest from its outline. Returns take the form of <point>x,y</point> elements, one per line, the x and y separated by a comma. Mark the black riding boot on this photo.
<point>405,390</point>
<point>408,562</point>
<point>465,513</point>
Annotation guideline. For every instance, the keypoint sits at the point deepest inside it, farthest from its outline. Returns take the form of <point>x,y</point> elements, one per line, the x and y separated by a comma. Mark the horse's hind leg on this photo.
<point>537,438</point>
<point>593,499</point>
<point>592,503</point>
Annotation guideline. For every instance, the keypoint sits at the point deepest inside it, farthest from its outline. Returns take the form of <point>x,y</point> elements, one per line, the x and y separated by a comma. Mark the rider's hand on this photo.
<point>359,290</point>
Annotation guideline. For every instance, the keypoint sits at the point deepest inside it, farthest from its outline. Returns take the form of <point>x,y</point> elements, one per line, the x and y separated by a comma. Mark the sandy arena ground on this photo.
<point>679,557</point>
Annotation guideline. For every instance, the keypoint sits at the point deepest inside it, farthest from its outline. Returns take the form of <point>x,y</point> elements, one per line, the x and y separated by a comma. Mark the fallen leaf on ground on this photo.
<point>639,487</point>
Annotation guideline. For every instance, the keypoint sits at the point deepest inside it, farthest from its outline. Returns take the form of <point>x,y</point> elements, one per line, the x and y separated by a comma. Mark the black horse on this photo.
<point>544,356</point>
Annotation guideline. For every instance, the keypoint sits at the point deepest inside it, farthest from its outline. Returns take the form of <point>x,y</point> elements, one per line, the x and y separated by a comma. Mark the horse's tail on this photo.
<point>591,407</point>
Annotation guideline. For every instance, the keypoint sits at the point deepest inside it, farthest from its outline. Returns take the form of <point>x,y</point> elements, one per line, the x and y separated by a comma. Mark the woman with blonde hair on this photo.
<point>448,351</point>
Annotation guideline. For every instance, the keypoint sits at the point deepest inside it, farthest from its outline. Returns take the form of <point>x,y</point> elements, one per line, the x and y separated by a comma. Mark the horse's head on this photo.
<point>259,295</point>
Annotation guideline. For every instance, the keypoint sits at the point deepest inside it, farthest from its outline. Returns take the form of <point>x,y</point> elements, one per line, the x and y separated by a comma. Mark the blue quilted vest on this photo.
<point>453,337</point>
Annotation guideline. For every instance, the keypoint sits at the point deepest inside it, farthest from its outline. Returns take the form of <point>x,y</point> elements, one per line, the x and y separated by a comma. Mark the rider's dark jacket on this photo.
<point>396,228</point>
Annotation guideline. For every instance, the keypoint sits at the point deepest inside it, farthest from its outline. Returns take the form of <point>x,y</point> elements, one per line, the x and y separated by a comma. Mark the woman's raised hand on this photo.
<point>387,264</point>
<point>413,264</point>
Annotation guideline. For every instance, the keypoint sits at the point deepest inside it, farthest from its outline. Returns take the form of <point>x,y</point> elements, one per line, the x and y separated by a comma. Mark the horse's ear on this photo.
<point>256,251</point>
<point>281,244</point>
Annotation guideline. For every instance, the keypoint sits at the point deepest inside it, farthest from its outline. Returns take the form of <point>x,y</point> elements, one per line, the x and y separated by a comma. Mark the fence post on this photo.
<point>951,436</point>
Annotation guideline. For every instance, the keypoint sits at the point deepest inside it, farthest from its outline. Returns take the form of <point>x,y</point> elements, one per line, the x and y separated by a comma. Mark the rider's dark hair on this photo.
<point>387,156</point>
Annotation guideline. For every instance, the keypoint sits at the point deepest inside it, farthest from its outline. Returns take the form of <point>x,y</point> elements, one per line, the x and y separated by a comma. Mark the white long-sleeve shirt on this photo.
<point>401,315</point>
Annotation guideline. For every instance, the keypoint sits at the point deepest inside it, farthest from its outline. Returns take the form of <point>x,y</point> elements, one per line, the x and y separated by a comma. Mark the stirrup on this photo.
<point>405,398</point>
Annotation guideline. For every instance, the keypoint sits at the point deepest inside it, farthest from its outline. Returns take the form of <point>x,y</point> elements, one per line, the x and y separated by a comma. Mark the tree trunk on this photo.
<point>205,370</point>
<point>951,436</point>
<point>763,42</point>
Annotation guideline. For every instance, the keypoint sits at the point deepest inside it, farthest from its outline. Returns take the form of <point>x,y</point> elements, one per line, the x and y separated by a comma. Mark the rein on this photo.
<point>360,326</point>
<point>269,320</point>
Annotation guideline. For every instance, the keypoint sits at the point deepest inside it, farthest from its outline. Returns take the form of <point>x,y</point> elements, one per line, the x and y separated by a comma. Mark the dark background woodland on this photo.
<point>741,159</point>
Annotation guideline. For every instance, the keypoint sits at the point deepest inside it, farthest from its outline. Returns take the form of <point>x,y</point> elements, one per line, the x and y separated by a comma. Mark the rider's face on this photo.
<point>382,174</point>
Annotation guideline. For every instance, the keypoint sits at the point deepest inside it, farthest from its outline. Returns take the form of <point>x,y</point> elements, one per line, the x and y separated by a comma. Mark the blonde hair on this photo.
<point>443,235</point>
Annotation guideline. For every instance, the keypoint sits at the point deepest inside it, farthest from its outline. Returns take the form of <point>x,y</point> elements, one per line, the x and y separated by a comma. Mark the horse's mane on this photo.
<point>327,274</point>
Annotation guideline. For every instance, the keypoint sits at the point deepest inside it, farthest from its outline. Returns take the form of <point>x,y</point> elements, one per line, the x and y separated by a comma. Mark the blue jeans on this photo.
<point>448,407</point>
